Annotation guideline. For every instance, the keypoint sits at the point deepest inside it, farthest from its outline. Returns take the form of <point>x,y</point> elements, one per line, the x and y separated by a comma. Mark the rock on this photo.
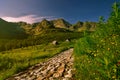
<point>61,69</point>
<point>69,75</point>
<point>44,72</point>
<point>55,42</point>
<point>67,40</point>
<point>56,75</point>
<point>33,77</point>
<point>39,78</point>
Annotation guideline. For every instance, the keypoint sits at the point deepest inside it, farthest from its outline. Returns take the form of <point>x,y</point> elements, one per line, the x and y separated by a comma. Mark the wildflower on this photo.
<point>112,43</point>
<point>102,40</point>
<point>97,45</point>
<point>95,55</point>
<point>113,77</point>
<point>108,49</point>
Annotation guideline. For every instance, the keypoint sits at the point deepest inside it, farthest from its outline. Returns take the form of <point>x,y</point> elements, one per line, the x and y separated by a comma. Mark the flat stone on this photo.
<point>56,75</point>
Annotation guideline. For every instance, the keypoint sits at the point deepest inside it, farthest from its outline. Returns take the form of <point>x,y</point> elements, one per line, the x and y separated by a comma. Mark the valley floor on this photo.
<point>59,67</point>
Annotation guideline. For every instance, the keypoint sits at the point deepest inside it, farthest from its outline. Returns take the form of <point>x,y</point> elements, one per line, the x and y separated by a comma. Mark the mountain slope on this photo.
<point>82,26</point>
<point>61,23</point>
<point>38,28</point>
<point>43,25</point>
<point>11,30</point>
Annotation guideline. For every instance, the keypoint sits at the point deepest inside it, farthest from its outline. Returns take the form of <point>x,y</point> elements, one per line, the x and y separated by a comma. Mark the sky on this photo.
<point>32,11</point>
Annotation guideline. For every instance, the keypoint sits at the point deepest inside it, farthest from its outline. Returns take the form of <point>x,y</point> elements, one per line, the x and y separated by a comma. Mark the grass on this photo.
<point>17,60</point>
<point>97,56</point>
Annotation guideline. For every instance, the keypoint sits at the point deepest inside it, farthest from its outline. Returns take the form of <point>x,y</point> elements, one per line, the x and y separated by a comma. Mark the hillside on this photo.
<point>38,28</point>
<point>61,23</point>
<point>41,26</point>
<point>82,26</point>
<point>11,30</point>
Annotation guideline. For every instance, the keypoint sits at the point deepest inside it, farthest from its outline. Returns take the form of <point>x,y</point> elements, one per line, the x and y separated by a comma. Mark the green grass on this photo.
<point>17,60</point>
<point>97,56</point>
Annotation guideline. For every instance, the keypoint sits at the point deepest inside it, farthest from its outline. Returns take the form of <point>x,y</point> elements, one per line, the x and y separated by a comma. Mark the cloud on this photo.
<point>28,18</point>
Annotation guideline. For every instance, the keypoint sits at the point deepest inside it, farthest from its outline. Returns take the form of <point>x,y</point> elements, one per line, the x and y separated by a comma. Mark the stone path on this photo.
<point>60,67</point>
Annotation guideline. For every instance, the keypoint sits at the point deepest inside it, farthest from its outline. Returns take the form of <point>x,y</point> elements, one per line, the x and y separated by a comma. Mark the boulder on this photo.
<point>67,40</point>
<point>55,42</point>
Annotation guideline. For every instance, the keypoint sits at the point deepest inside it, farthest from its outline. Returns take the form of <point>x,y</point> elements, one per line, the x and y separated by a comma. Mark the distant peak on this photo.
<point>44,20</point>
<point>79,22</point>
<point>60,19</point>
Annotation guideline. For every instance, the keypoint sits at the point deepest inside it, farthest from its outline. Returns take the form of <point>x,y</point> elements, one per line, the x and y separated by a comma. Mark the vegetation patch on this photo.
<point>97,56</point>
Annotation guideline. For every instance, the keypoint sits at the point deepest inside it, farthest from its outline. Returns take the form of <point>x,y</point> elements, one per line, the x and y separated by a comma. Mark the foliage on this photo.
<point>97,56</point>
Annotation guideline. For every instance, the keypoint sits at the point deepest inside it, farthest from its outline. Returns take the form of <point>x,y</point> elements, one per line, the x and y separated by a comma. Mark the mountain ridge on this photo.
<point>20,29</point>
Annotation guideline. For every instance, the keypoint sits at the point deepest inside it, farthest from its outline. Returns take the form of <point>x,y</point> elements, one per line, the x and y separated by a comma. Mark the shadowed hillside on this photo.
<point>11,30</point>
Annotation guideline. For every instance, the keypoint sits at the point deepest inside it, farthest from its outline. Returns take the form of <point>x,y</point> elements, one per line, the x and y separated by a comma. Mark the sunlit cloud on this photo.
<point>28,18</point>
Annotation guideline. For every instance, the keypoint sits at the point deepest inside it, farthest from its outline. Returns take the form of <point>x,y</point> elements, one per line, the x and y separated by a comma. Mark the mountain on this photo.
<point>43,25</point>
<point>76,26</point>
<point>22,29</point>
<point>82,26</point>
<point>38,28</point>
<point>11,30</point>
<point>61,23</point>
<point>90,26</point>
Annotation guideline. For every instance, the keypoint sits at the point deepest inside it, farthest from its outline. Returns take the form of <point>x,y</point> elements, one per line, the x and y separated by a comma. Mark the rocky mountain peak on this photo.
<point>45,24</point>
<point>61,23</point>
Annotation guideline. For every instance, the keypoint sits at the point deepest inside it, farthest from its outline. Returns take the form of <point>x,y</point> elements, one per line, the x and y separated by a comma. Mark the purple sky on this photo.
<point>71,10</point>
